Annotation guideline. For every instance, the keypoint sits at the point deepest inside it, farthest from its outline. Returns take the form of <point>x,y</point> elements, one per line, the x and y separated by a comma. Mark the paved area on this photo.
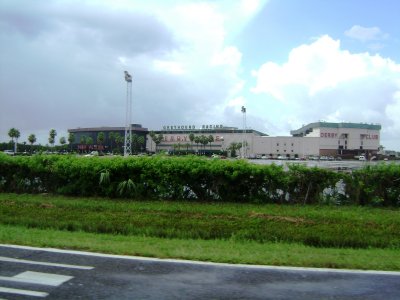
<point>34,273</point>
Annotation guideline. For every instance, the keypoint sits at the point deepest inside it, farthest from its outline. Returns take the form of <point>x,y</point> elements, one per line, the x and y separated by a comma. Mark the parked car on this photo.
<point>9,152</point>
<point>93,153</point>
<point>362,157</point>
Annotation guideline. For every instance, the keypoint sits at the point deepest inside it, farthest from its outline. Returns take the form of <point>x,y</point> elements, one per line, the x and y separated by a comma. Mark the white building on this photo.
<point>314,139</point>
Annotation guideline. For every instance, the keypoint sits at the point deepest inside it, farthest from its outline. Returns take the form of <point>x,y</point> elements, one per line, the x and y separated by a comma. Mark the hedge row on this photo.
<point>198,179</point>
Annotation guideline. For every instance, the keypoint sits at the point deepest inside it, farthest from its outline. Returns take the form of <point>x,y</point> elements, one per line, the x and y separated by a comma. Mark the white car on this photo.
<point>9,152</point>
<point>362,157</point>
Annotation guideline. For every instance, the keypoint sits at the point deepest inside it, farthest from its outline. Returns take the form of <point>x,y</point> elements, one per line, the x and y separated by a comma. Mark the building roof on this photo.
<point>135,127</point>
<point>309,127</point>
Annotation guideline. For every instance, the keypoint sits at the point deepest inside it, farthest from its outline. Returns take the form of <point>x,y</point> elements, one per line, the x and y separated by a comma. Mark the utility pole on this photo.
<point>128,115</point>
<point>244,142</point>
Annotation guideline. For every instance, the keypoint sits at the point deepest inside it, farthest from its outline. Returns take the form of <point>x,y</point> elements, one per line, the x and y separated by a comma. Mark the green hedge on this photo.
<point>198,179</point>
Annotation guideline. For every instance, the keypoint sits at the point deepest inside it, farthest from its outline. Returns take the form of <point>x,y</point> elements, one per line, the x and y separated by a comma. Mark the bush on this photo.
<point>198,179</point>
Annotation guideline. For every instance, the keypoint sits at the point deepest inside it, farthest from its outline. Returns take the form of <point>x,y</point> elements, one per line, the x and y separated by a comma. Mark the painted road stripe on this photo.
<point>23,292</point>
<point>181,261</point>
<point>32,262</point>
<point>38,278</point>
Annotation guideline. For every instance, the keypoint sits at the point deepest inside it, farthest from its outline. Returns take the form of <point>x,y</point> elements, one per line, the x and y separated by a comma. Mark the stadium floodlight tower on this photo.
<point>128,115</point>
<point>244,143</point>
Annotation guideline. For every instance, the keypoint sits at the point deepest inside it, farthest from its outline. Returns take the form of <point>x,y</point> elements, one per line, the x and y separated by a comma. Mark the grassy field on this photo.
<point>312,236</point>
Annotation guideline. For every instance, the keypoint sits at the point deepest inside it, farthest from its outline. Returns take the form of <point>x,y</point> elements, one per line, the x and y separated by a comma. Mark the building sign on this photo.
<point>191,127</point>
<point>332,135</point>
<point>185,138</point>
<point>370,136</point>
<point>328,135</point>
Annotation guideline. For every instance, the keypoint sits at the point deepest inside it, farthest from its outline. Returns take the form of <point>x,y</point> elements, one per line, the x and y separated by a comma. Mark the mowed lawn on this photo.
<point>308,236</point>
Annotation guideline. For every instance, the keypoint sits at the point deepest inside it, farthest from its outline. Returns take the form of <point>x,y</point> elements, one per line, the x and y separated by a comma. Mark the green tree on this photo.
<point>210,140</point>
<point>157,138</point>
<point>63,141</point>
<point>119,140</point>
<point>111,139</point>
<point>191,138</point>
<point>141,142</point>
<point>52,136</point>
<point>101,138</point>
<point>134,143</point>
<point>71,139</point>
<point>197,141</point>
<point>14,134</point>
<point>89,140</point>
<point>32,140</point>
<point>83,141</point>
<point>233,147</point>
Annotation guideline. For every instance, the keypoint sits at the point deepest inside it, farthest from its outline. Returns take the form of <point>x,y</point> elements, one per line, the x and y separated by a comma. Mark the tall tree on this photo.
<point>100,139</point>
<point>71,139</point>
<point>210,140</point>
<point>63,141</point>
<point>157,138</point>
<point>14,134</point>
<point>32,140</point>
<point>118,140</point>
<point>197,141</point>
<point>52,136</point>
<point>191,138</point>
<point>111,139</point>
<point>141,142</point>
<point>83,141</point>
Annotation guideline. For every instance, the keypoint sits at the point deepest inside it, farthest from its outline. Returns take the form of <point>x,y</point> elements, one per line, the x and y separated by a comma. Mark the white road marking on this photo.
<point>181,261</point>
<point>23,292</point>
<point>38,278</point>
<point>32,262</point>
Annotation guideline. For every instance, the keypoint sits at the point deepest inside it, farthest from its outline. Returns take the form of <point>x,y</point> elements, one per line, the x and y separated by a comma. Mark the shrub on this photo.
<point>198,179</point>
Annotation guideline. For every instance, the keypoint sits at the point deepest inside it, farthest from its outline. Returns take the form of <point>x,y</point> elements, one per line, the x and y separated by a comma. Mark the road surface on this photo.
<point>35,273</point>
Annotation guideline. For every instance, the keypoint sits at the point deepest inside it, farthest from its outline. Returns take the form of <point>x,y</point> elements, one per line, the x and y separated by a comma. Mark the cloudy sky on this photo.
<point>289,62</point>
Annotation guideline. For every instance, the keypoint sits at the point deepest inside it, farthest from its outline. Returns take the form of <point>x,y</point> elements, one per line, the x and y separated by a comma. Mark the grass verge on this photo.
<point>224,251</point>
<point>308,236</point>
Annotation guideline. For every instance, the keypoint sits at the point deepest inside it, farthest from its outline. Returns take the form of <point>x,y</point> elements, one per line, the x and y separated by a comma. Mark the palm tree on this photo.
<point>210,140</point>
<point>100,138</point>
<point>141,141</point>
<point>32,140</point>
<point>204,142</point>
<point>191,138</point>
<point>197,141</point>
<point>156,138</point>
<point>118,139</point>
<point>71,139</point>
<point>134,143</point>
<point>83,141</point>
<point>111,138</point>
<point>52,136</point>
<point>14,134</point>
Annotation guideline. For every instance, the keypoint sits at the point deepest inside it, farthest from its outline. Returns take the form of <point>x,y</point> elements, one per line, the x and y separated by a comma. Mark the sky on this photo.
<point>289,62</point>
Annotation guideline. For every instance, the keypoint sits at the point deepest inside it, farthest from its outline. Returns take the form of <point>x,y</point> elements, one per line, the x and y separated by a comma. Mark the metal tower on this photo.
<point>128,115</point>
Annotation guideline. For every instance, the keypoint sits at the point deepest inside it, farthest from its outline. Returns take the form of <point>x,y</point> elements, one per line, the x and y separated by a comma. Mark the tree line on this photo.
<point>115,139</point>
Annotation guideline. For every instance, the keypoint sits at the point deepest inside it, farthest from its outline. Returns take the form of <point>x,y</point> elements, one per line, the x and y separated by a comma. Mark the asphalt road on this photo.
<point>33,273</point>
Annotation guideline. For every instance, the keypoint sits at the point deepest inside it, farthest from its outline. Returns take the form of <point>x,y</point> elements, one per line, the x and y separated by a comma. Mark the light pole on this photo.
<point>128,116</point>
<point>244,143</point>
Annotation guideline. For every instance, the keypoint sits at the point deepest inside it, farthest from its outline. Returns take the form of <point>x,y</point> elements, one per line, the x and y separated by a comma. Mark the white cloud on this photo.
<point>365,34</point>
<point>321,81</point>
<point>72,55</point>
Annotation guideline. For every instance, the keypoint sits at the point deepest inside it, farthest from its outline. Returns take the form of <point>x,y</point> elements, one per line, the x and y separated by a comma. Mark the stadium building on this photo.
<point>314,139</point>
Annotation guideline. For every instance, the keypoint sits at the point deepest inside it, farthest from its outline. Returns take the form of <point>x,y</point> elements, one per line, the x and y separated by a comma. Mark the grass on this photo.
<point>309,236</point>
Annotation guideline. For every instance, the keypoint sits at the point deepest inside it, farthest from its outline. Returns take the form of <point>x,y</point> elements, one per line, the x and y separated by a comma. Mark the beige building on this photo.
<point>314,139</point>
